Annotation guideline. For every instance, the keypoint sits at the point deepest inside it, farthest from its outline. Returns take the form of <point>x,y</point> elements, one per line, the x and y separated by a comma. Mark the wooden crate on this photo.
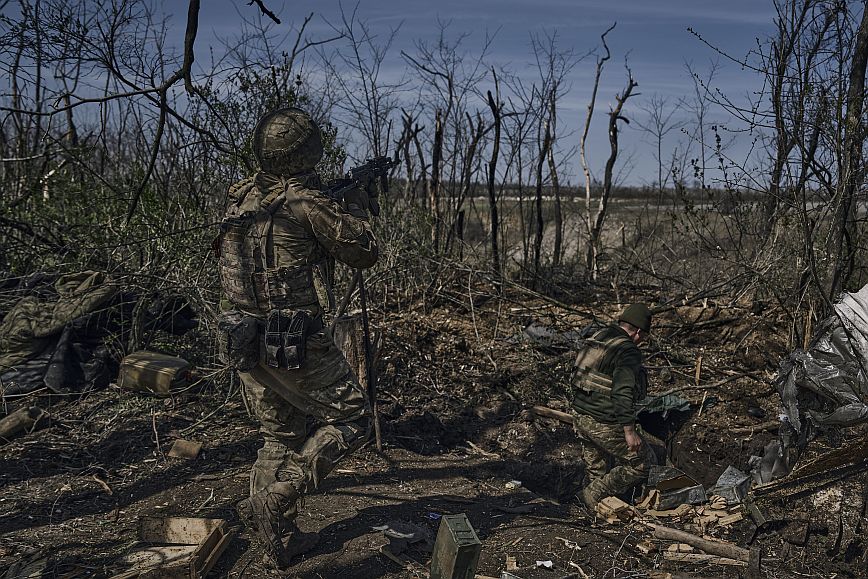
<point>177,548</point>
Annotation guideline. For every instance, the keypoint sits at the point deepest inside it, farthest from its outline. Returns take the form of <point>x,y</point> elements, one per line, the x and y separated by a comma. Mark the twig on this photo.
<point>103,484</point>
<point>206,501</point>
<point>156,434</point>
<point>482,452</point>
<point>265,10</point>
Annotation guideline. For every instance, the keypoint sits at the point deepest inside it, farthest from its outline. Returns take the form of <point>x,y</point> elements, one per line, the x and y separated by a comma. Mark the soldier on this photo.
<point>607,382</point>
<point>277,248</point>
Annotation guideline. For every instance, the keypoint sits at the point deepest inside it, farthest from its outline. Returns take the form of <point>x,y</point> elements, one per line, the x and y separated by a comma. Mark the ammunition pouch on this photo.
<point>286,334</point>
<point>238,340</point>
<point>589,380</point>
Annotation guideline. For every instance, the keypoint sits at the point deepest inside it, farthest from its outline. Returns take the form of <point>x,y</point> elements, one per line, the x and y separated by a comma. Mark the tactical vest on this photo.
<point>247,266</point>
<point>587,376</point>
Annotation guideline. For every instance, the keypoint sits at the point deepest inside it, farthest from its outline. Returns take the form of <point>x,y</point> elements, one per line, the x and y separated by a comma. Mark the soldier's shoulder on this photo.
<point>239,189</point>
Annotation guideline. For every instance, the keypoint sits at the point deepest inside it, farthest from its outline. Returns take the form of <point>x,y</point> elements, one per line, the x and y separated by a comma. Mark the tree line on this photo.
<point>117,150</point>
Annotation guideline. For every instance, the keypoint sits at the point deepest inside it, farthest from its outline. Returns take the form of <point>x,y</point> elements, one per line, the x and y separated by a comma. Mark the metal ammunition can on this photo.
<point>456,550</point>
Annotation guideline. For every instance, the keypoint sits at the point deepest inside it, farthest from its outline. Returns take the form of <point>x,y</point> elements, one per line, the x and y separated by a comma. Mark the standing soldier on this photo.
<point>607,383</point>
<point>277,248</point>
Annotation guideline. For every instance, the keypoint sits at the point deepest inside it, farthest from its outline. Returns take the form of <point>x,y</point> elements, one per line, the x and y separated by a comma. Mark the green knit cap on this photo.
<point>637,315</point>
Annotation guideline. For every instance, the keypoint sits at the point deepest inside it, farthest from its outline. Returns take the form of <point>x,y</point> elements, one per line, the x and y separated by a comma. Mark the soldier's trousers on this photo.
<point>604,443</point>
<point>324,389</point>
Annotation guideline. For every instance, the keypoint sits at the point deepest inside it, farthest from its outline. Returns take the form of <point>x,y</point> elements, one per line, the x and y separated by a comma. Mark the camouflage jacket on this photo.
<point>609,378</point>
<point>295,244</point>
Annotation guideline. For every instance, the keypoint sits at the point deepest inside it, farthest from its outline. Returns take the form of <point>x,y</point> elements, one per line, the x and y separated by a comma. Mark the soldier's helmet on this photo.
<point>287,141</point>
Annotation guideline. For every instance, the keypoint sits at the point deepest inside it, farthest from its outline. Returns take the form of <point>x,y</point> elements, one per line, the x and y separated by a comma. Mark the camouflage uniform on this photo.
<point>297,232</point>
<point>608,381</point>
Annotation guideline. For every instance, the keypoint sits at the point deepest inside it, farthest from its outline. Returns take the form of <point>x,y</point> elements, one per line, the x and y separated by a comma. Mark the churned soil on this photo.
<point>457,382</point>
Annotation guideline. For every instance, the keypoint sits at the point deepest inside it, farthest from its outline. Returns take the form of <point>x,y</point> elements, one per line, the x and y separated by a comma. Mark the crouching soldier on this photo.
<point>607,383</point>
<point>278,243</point>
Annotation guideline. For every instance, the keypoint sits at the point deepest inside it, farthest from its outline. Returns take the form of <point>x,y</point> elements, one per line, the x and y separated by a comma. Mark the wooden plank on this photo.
<point>177,530</point>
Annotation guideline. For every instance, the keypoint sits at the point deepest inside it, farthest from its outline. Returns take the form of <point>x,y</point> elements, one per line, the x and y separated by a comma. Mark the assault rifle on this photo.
<point>372,176</point>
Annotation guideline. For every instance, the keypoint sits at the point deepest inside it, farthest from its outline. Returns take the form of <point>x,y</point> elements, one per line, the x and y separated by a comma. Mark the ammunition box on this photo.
<point>456,550</point>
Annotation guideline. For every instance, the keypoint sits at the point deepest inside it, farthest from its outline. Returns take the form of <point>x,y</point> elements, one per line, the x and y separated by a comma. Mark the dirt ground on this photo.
<point>456,384</point>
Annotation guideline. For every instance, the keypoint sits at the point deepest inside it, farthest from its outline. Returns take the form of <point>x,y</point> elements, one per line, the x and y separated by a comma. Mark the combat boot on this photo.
<point>589,498</point>
<point>264,512</point>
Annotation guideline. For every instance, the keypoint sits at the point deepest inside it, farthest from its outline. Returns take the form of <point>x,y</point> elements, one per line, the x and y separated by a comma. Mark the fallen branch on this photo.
<point>703,558</point>
<point>721,549</point>
<point>547,412</point>
<point>22,421</point>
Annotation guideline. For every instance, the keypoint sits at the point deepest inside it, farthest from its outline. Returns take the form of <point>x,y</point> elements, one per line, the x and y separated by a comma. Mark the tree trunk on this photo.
<point>844,223</point>
<point>537,244</point>
<point>602,210</point>
<point>492,174</point>
<point>434,190</point>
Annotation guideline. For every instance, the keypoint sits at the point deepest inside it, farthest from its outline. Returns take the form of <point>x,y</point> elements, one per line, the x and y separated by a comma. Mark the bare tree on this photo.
<point>603,205</point>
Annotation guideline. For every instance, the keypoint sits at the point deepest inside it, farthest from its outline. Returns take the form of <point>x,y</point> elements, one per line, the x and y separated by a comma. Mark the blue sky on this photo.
<point>652,35</point>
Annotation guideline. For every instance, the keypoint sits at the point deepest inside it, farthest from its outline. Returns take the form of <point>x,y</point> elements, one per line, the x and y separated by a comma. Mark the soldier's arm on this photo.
<point>624,382</point>
<point>348,238</point>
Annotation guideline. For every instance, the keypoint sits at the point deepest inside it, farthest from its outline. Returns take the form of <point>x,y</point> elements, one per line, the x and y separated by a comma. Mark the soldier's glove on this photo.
<point>358,203</point>
<point>373,191</point>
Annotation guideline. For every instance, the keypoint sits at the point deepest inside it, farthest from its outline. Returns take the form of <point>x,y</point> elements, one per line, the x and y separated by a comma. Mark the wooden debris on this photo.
<point>614,510</point>
<point>730,519</point>
<point>681,511</point>
<point>650,500</point>
<point>680,548</point>
<point>103,484</point>
<point>511,563</point>
<point>833,465</point>
<point>547,412</point>
<point>145,371</point>
<point>581,571</point>
<point>646,547</point>
<point>185,449</point>
<point>720,548</point>
<point>180,547</point>
<point>717,502</point>
<point>20,422</point>
<point>570,544</point>
<point>703,558</point>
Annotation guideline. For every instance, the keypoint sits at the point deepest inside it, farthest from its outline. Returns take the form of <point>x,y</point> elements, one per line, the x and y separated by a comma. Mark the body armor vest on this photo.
<point>588,376</point>
<point>247,266</point>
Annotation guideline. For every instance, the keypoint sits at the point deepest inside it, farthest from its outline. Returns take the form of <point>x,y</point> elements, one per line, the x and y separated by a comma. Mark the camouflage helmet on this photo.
<point>287,141</point>
<point>638,316</point>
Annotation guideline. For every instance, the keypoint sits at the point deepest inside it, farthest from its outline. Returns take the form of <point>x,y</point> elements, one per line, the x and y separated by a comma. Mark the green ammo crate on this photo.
<point>456,550</point>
